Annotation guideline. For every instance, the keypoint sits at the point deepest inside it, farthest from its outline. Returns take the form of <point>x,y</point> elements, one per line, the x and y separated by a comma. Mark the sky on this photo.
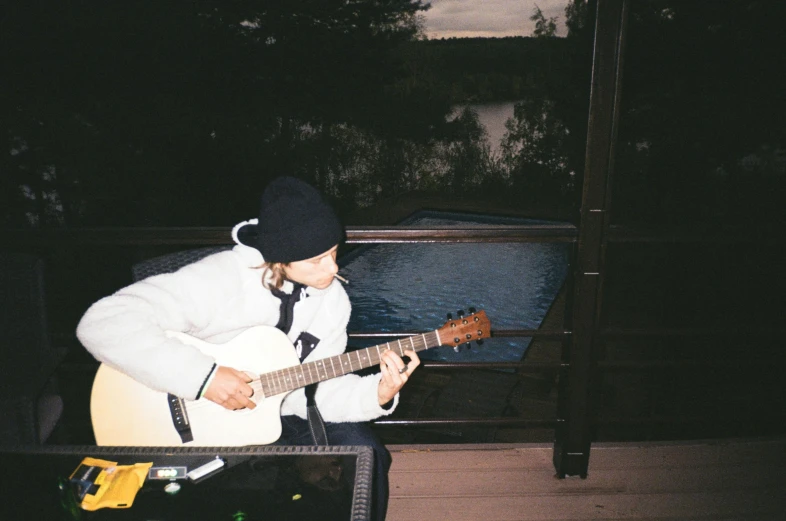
<point>489,18</point>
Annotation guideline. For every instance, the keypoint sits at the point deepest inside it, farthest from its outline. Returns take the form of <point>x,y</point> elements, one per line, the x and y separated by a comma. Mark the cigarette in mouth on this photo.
<point>342,279</point>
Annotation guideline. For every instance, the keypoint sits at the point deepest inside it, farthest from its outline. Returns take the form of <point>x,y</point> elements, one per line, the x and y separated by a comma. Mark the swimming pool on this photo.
<point>410,287</point>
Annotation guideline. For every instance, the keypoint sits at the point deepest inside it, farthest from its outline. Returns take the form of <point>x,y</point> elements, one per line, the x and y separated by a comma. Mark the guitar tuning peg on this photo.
<point>480,341</point>
<point>472,311</point>
<point>456,348</point>
<point>450,316</point>
<point>469,345</point>
<point>460,312</point>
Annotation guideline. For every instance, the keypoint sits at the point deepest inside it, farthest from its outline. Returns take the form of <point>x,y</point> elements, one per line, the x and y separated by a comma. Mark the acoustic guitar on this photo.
<point>127,413</point>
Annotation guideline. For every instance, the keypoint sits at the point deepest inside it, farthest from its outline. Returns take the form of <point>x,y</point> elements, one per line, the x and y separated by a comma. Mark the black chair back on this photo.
<point>172,262</point>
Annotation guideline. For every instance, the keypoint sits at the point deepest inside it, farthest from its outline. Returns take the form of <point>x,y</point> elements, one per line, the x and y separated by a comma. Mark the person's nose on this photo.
<point>329,264</point>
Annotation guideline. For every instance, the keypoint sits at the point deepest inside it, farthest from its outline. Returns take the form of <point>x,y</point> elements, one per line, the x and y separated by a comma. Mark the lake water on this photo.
<point>412,287</point>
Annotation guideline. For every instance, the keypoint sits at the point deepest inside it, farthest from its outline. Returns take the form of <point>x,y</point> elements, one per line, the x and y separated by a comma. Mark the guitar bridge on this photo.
<point>180,418</point>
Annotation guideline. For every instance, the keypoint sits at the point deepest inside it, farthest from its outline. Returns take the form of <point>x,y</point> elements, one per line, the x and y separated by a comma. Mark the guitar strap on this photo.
<point>315,422</point>
<point>287,314</point>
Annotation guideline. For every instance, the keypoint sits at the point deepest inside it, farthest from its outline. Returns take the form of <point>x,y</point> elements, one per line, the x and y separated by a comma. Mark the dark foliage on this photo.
<point>702,137</point>
<point>145,113</point>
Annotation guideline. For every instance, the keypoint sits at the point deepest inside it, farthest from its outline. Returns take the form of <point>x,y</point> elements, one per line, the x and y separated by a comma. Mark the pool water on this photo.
<point>412,287</point>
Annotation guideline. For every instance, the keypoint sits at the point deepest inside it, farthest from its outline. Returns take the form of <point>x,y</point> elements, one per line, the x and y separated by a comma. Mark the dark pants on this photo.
<point>295,431</point>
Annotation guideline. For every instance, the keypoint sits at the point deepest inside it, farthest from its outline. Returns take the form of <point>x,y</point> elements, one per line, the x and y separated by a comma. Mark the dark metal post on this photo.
<point>575,404</point>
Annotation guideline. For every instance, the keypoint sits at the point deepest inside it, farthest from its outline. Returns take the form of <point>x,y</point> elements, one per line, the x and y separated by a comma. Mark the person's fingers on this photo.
<point>243,401</point>
<point>394,362</point>
<point>414,361</point>
<point>242,376</point>
<point>230,389</point>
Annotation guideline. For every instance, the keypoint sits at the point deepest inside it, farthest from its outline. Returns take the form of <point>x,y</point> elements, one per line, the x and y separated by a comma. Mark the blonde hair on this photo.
<point>273,275</point>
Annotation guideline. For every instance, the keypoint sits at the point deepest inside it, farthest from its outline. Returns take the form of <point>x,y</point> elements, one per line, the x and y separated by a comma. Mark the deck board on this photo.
<point>718,480</point>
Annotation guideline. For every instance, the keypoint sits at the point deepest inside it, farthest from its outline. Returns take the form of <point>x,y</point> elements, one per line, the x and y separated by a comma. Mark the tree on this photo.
<point>468,155</point>
<point>534,151</point>
<point>543,28</point>
<point>576,16</point>
<point>120,108</point>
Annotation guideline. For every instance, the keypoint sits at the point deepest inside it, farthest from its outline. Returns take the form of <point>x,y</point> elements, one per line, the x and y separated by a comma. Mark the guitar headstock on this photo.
<point>465,329</point>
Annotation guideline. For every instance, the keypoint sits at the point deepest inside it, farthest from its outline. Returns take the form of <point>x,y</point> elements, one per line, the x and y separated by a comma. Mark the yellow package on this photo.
<point>105,484</point>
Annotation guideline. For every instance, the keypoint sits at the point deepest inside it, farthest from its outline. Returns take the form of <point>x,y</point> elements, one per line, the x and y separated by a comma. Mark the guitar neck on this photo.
<point>295,377</point>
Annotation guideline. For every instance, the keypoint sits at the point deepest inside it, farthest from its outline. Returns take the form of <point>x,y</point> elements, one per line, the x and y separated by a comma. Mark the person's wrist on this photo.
<point>382,397</point>
<point>208,381</point>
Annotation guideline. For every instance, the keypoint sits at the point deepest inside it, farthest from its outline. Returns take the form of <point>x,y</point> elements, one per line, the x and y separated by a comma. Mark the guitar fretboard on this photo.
<point>295,377</point>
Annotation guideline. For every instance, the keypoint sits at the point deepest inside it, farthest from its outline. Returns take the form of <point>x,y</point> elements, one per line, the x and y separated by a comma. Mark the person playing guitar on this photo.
<point>284,276</point>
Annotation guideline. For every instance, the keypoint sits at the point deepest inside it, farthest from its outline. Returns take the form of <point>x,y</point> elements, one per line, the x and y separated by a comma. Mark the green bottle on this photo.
<point>71,511</point>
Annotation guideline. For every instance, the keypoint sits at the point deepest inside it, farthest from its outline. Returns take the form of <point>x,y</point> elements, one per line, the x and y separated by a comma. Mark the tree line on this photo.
<point>143,113</point>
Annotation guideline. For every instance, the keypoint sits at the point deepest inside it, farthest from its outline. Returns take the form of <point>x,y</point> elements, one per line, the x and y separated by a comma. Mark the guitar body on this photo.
<point>127,413</point>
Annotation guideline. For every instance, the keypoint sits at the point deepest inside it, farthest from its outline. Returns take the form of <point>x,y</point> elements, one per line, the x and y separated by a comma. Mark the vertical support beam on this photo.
<point>575,404</point>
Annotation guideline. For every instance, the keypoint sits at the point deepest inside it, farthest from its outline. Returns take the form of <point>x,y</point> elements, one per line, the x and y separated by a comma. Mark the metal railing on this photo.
<point>52,243</point>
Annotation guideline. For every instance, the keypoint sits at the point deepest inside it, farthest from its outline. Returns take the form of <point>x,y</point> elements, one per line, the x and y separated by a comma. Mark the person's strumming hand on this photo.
<point>229,389</point>
<point>395,374</point>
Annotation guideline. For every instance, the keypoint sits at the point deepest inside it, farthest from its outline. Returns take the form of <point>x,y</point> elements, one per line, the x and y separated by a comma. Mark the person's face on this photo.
<point>316,272</point>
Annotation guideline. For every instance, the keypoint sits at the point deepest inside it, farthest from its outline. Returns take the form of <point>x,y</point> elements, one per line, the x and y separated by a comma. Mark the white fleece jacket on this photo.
<point>215,299</point>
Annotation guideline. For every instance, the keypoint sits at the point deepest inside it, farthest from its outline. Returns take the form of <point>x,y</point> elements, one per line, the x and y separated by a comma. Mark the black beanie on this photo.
<point>295,222</point>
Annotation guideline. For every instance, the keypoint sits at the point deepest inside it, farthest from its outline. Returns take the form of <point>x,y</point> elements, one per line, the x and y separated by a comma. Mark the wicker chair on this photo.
<point>172,262</point>
<point>30,404</point>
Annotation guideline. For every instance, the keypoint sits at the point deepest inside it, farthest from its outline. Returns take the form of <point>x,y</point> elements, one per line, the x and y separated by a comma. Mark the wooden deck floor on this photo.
<point>719,480</point>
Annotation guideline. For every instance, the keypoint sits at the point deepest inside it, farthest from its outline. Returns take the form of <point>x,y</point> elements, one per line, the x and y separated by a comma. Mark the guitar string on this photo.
<point>417,343</point>
<point>258,385</point>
